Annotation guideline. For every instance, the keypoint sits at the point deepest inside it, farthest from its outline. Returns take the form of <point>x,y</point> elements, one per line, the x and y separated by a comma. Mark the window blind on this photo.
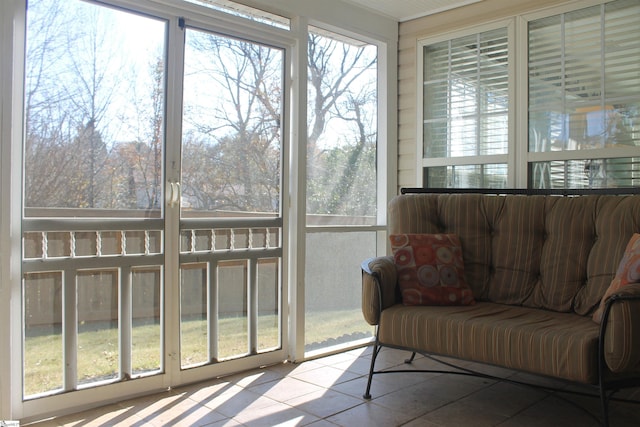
<point>466,96</point>
<point>584,84</point>
<point>591,173</point>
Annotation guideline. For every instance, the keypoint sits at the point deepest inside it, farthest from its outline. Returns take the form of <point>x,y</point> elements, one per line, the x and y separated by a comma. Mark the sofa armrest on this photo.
<point>379,279</point>
<point>622,330</point>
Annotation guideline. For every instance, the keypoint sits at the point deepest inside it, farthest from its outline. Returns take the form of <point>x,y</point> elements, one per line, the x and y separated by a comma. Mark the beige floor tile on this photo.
<point>287,369</point>
<point>552,412</point>
<point>112,415</point>
<point>624,415</point>
<point>504,399</point>
<point>461,413</point>
<point>206,391</point>
<point>322,423</point>
<point>335,359</point>
<point>324,403</point>
<point>354,388</point>
<point>279,414</point>
<point>358,366</point>
<point>415,401</point>
<point>371,415</point>
<point>234,400</point>
<point>184,413</point>
<point>420,422</point>
<point>45,423</point>
<point>256,377</point>
<point>286,389</point>
<point>325,376</point>
<point>148,407</point>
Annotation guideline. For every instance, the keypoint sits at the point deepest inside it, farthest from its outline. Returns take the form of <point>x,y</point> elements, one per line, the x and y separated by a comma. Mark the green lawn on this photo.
<point>98,357</point>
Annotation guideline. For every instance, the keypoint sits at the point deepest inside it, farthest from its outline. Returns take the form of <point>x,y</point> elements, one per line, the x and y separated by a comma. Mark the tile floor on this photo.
<point>328,392</point>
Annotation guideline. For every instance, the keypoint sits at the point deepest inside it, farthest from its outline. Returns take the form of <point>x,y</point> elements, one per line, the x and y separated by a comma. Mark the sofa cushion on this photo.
<point>628,272</point>
<point>430,269</point>
<point>517,241</point>
<point>616,218</point>
<point>539,341</point>
<point>568,238</point>
<point>552,252</point>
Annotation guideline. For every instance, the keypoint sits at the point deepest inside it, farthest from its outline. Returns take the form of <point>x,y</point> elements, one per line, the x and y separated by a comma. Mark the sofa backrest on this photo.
<point>553,252</point>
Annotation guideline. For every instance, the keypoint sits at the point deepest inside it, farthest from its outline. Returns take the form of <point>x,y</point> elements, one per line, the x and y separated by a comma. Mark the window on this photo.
<point>580,116</point>
<point>342,151</point>
<point>466,110</point>
<point>93,148</point>
<point>342,136</point>
<point>584,98</point>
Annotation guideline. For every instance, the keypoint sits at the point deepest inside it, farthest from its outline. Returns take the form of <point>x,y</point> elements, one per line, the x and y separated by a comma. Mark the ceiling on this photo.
<point>404,10</point>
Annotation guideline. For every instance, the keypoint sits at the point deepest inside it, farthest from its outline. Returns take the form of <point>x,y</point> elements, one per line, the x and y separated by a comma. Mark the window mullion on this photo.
<point>479,98</point>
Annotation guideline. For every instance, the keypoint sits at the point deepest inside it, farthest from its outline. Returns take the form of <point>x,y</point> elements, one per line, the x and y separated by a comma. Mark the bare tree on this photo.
<point>46,154</point>
<point>237,126</point>
<point>341,91</point>
<point>137,165</point>
<point>79,79</point>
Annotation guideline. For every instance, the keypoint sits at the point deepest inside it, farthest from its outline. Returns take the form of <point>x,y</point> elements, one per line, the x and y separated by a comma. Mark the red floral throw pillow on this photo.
<point>430,269</point>
<point>628,272</point>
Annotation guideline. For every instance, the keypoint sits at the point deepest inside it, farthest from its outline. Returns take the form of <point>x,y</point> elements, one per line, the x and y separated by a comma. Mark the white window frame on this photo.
<point>509,157</point>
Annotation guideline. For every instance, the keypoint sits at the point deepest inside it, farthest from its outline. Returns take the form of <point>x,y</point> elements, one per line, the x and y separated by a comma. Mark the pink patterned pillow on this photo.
<point>628,272</point>
<point>430,269</point>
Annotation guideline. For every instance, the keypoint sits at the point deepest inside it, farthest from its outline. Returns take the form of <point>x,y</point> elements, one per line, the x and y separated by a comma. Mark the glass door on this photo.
<point>152,210</point>
<point>93,209</point>
<point>230,199</point>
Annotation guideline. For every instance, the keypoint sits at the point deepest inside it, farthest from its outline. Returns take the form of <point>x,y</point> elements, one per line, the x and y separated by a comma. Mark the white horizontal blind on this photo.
<point>583,174</point>
<point>466,96</point>
<point>466,176</point>
<point>584,94</point>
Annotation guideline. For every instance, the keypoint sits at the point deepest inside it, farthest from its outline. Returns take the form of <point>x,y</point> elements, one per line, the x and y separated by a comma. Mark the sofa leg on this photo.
<point>376,350</point>
<point>604,402</point>
<point>410,360</point>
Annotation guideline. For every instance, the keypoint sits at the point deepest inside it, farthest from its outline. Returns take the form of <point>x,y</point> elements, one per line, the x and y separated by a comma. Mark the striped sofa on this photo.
<point>538,266</point>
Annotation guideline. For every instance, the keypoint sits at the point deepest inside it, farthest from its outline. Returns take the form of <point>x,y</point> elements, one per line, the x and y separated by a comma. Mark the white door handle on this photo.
<point>173,194</point>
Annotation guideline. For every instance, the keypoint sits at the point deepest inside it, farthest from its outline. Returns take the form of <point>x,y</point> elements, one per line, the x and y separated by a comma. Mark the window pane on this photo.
<point>194,330</point>
<point>43,351</point>
<point>596,173</point>
<point>466,96</point>
<point>467,176</point>
<point>146,335</point>
<point>268,304</point>
<point>98,338</point>
<point>231,129</point>
<point>584,88</point>
<point>333,311</point>
<point>94,103</point>
<point>342,130</point>
<point>233,337</point>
